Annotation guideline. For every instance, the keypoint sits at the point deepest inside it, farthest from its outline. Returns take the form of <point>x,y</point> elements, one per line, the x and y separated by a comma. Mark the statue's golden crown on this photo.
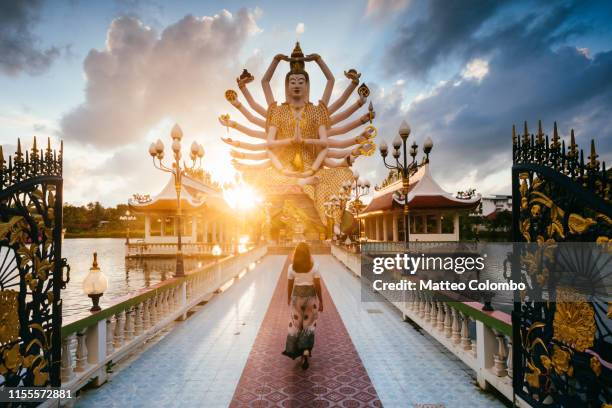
<point>297,66</point>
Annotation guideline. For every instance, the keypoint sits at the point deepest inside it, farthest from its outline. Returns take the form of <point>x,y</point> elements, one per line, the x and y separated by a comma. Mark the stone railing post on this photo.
<point>486,346</point>
<point>97,343</point>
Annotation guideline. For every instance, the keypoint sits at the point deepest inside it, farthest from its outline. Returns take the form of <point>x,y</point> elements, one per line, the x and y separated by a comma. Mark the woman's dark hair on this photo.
<point>302,261</point>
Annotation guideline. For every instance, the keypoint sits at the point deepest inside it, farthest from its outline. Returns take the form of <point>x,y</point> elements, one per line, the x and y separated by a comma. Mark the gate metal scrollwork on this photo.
<point>563,349</point>
<point>31,267</point>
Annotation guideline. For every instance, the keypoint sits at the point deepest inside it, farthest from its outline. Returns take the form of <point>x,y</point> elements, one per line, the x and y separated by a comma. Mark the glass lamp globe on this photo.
<point>216,250</point>
<point>95,284</point>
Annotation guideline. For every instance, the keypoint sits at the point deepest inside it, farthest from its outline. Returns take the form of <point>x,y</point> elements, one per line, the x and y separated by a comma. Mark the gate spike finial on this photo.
<point>34,145</point>
<point>1,158</point>
<point>18,147</point>
<point>540,137</point>
<point>555,138</point>
<point>526,131</point>
<point>593,163</point>
<point>513,134</point>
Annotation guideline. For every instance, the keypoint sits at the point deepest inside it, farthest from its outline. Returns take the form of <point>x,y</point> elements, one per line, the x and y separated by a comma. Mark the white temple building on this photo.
<point>434,213</point>
<point>207,220</point>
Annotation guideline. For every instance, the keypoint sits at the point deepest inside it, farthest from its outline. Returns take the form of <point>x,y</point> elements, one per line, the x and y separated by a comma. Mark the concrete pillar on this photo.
<point>384,225</point>
<point>147,227</point>
<point>221,230</point>
<point>206,231</point>
<point>439,224</point>
<point>395,228</point>
<point>162,226</point>
<point>214,231</point>
<point>378,237</point>
<point>456,226</point>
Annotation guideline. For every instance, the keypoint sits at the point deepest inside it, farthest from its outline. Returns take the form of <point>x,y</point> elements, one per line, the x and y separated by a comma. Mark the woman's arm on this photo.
<point>317,284</point>
<point>288,263</point>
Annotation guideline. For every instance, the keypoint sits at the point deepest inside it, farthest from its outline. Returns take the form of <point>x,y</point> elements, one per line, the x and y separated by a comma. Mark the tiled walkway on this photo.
<point>336,377</point>
<point>406,367</point>
<point>200,362</point>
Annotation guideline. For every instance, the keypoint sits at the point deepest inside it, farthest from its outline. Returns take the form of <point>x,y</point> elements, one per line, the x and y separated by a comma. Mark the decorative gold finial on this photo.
<point>297,53</point>
<point>94,265</point>
<point>513,134</point>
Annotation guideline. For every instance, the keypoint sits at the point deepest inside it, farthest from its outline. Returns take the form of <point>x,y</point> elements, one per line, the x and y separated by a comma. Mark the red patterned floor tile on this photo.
<point>336,376</point>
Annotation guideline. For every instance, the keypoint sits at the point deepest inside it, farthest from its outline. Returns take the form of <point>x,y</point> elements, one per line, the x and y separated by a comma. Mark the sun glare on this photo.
<point>241,197</point>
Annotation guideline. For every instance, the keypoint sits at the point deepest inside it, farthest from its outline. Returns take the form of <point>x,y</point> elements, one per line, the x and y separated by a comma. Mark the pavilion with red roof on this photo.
<point>434,212</point>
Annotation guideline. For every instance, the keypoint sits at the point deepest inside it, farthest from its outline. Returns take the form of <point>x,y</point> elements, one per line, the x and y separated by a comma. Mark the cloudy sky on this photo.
<point>110,77</point>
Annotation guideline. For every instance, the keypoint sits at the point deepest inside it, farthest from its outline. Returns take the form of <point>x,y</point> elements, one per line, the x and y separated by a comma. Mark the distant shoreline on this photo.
<point>101,234</point>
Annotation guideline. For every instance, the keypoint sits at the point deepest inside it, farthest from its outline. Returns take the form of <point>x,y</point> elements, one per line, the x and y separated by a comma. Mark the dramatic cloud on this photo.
<point>143,77</point>
<point>379,9</point>
<point>509,71</point>
<point>19,47</point>
<point>447,29</point>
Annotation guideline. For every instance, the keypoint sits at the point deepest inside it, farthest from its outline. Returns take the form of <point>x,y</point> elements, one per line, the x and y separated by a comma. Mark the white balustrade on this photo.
<point>460,327</point>
<point>90,347</point>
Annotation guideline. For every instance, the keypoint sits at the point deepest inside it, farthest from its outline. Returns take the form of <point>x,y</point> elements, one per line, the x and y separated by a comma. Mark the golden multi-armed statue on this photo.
<point>300,144</point>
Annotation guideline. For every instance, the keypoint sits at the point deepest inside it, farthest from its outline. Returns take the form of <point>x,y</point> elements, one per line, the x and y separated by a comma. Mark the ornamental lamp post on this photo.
<point>156,150</point>
<point>127,218</point>
<point>403,167</point>
<point>358,188</point>
<point>95,284</point>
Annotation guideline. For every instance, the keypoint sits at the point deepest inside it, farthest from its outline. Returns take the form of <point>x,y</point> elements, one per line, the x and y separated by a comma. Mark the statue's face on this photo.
<point>298,86</point>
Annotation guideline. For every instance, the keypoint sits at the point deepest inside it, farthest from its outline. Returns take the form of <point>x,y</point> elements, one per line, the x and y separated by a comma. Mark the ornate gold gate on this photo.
<point>31,267</point>
<point>563,349</point>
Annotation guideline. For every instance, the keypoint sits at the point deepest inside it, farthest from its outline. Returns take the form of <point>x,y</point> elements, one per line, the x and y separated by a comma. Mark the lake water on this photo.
<point>124,275</point>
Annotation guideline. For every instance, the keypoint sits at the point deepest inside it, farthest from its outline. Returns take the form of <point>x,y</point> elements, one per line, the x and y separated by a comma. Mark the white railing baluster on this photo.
<point>109,335</point>
<point>456,327</point>
<point>118,335</point>
<point>138,319</point>
<point>448,321</point>
<point>67,371</point>
<point>81,352</point>
<point>129,325</point>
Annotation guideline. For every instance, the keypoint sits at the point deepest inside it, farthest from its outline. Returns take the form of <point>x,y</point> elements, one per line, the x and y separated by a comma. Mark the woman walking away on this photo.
<point>305,301</point>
